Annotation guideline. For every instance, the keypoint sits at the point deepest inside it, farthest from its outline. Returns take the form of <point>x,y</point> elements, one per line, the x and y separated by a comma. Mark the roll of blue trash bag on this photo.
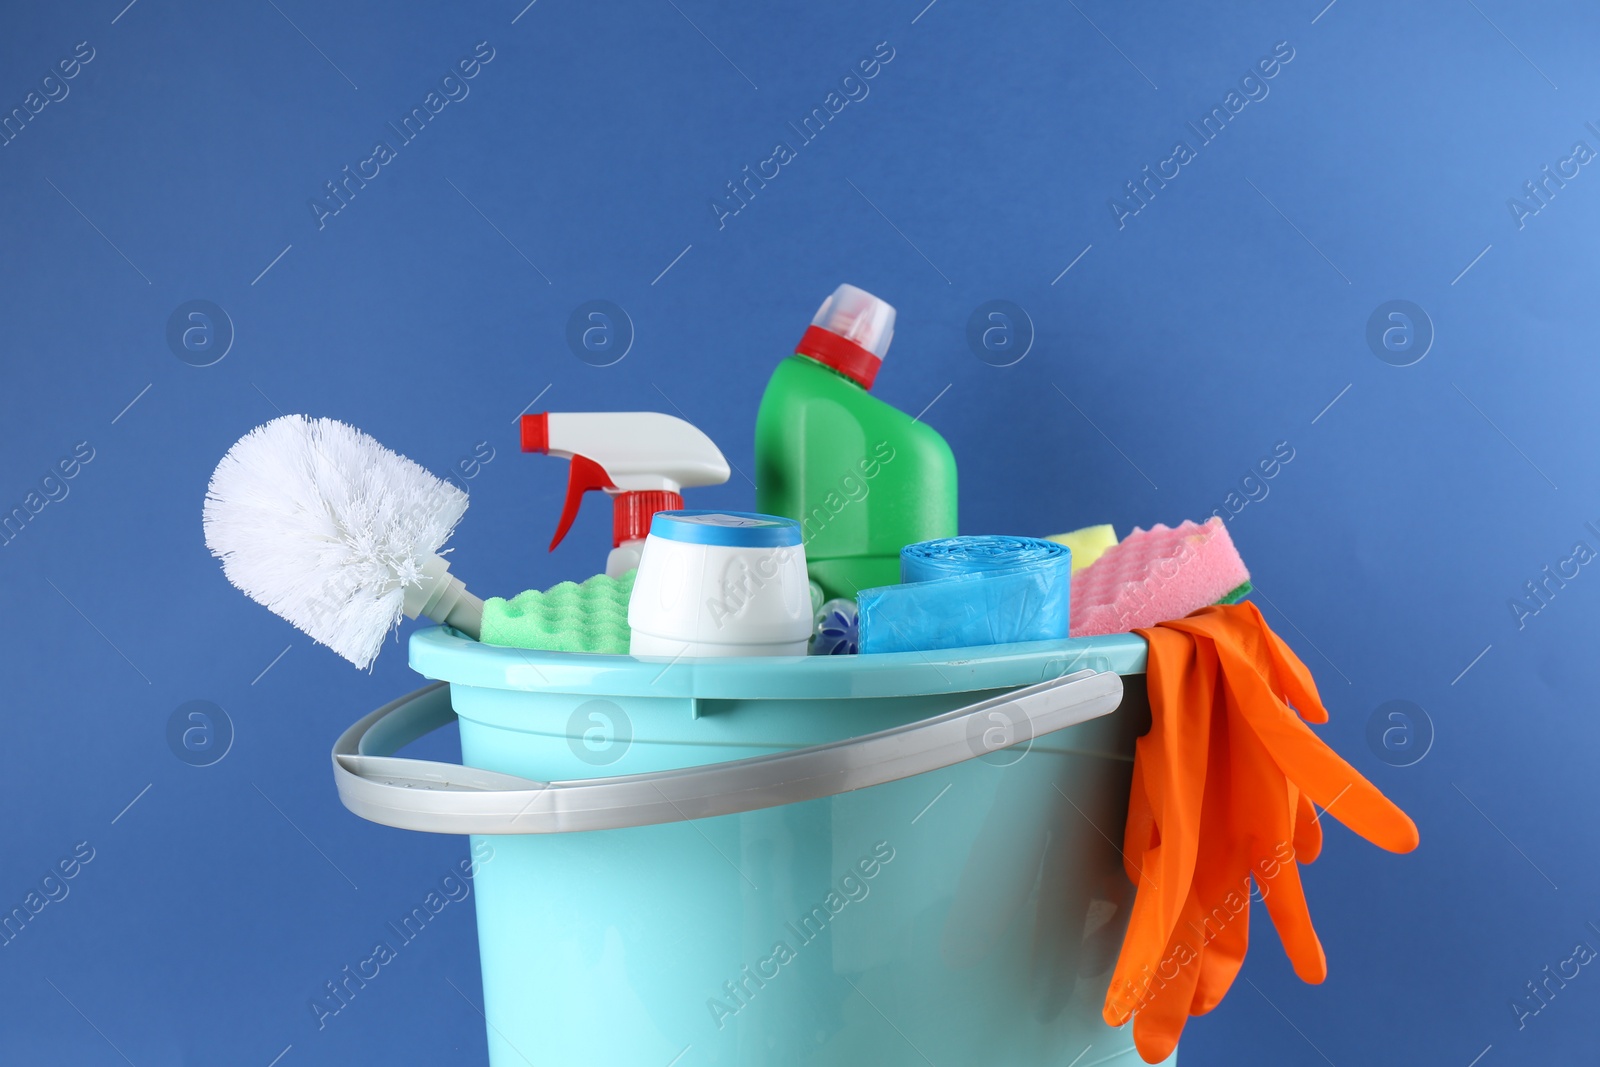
<point>964,591</point>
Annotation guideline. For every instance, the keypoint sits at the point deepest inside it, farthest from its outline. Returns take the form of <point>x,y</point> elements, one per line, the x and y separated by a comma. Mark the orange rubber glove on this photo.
<point>1166,862</point>
<point>1162,982</point>
<point>1224,788</point>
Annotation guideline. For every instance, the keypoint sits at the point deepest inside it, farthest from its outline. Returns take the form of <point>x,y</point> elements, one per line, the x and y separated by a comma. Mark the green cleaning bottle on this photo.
<point>863,479</point>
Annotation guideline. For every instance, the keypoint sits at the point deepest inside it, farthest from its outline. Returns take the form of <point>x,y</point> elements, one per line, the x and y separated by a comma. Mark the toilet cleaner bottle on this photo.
<point>862,478</point>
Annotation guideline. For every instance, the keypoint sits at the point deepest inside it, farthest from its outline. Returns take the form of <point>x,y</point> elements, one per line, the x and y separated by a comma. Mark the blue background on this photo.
<point>1224,317</point>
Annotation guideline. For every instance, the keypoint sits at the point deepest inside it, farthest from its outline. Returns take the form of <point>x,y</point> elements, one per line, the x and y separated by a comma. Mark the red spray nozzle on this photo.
<point>640,458</point>
<point>536,432</point>
<point>585,473</point>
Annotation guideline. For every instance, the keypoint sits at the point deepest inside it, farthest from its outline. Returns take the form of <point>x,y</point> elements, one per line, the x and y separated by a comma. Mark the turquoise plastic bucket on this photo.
<point>967,915</point>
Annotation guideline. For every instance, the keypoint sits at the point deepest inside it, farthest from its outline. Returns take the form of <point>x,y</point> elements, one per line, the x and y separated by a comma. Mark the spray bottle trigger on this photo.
<point>585,474</point>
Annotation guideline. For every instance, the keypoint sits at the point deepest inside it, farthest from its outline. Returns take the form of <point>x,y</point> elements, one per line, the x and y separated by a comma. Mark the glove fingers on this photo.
<point>1245,779</point>
<point>1223,933</point>
<point>1143,946</point>
<point>1170,785</point>
<point>1222,878</point>
<point>1182,677</point>
<point>1272,814</point>
<point>1160,1019</point>
<point>1293,676</point>
<point>1286,903</point>
<point>1307,829</point>
<point>1221,960</point>
<point>1322,773</point>
<point>1157,1028</point>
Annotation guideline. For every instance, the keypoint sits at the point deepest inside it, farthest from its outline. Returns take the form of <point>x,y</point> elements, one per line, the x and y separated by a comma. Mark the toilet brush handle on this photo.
<point>443,597</point>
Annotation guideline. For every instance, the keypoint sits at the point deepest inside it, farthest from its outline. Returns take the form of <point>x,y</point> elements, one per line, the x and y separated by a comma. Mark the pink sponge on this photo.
<point>1155,575</point>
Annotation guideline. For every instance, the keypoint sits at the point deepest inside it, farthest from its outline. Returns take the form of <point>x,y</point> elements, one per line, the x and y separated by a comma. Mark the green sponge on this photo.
<point>1237,593</point>
<point>588,616</point>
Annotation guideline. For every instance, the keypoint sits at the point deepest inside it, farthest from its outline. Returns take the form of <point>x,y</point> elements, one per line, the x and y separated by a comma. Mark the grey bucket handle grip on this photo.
<point>448,798</point>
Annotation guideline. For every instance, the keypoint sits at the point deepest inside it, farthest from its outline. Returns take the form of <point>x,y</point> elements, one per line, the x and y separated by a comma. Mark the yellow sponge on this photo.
<point>589,616</point>
<point>1087,544</point>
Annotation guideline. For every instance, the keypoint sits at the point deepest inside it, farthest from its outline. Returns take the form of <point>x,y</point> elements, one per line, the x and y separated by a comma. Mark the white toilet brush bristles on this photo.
<point>339,535</point>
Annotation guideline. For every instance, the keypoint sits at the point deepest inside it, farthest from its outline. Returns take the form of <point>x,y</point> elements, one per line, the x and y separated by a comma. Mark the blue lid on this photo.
<point>738,529</point>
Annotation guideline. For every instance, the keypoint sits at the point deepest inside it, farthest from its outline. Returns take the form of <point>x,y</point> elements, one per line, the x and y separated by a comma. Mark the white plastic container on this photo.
<point>721,583</point>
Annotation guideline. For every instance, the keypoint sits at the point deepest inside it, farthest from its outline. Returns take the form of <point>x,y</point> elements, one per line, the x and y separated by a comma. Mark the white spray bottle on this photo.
<point>642,459</point>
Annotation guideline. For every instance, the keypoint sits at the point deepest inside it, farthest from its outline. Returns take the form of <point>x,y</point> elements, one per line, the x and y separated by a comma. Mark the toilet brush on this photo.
<point>337,534</point>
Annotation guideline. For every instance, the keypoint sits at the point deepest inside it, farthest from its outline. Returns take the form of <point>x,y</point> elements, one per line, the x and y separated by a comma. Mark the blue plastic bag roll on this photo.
<point>965,591</point>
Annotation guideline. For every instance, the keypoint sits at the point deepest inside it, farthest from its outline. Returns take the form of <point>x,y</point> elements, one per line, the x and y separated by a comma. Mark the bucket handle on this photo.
<point>451,799</point>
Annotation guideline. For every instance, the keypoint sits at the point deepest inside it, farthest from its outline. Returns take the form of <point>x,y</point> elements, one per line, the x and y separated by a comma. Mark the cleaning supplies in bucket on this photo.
<point>719,583</point>
<point>1224,785</point>
<point>862,478</point>
<point>587,616</point>
<point>986,929</point>
<point>1157,574</point>
<point>642,459</point>
<point>336,533</point>
<point>961,591</point>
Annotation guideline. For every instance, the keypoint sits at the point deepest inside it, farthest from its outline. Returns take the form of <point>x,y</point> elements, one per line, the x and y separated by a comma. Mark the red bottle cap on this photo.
<point>840,353</point>
<point>850,332</point>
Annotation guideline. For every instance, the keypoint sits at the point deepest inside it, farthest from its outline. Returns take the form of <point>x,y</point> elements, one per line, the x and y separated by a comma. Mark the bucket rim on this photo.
<point>443,654</point>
